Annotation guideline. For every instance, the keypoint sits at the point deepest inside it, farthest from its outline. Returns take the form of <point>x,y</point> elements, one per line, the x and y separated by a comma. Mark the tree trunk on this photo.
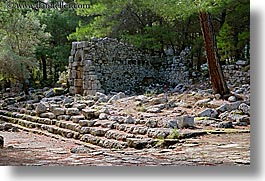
<point>216,74</point>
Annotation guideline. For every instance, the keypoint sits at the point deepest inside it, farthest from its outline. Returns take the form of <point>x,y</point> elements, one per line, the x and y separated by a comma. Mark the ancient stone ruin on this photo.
<point>104,65</point>
<point>107,65</point>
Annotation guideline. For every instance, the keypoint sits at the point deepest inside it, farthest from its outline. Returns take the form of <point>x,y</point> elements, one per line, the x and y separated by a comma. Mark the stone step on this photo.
<point>104,133</point>
<point>50,128</point>
<point>118,135</point>
<point>46,133</point>
<point>104,142</point>
<point>68,125</point>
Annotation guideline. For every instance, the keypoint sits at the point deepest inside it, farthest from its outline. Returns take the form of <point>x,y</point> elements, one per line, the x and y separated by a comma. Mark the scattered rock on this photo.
<point>241,62</point>
<point>103,116</point>
<point>244,108</point>
<point>202,103</point>
<point>212,113</point>
<point>151,123</point>
<point>217,96</point>
<point>129,120</point>
<point>232,99</point>
<point>185,121</point>
<point>228,107</point>
<point>80,150</point>
<point>100,97</point>
<point>225,124</point>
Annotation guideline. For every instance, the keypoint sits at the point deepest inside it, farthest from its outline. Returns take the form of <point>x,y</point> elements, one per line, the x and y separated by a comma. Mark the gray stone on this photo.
<point>228,107</point>
<point>76,119</point>
<point>113,99</point>
<point>244,108</point>
<point>238,118</point>
<point>241,62</point>
<point>80,150</point>
<point>98,131</point>
<point>72,111</point>
<point>49,93</point>
<point>155,109</point>
<point>168,123</point>
<point>47,115</point>
<point>151,123</point>
<point>41,108</point>
<point>225,124</point>
<point>64,117</point>
<point>88,123</point>
<point>101,97</point>
<point>90,113</point>
<point>103,116</point>
<point>79,106</point>
<point>138,143</point>
<point>203,102</point>
<point>58,111</point>
<point>232,99</point>
<point>212,113</point>
<point>129,120</point>
<point>155,101</point>
<point>217,96</point>
<point>185,121</point>
<point>68,101</point>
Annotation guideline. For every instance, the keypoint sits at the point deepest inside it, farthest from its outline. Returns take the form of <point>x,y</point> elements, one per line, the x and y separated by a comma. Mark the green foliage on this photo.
<point>20,35</point>
<point>225,43</point>
<point>174,135</point>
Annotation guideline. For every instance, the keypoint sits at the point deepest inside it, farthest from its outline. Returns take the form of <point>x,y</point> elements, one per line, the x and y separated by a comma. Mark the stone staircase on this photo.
<point>102,133</point>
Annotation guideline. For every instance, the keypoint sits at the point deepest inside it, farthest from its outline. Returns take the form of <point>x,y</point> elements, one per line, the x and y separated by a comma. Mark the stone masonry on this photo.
<point>107,65</point>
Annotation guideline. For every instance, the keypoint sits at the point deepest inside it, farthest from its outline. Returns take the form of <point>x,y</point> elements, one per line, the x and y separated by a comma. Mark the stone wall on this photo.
<point>105,65</point>
<point>236,75</point>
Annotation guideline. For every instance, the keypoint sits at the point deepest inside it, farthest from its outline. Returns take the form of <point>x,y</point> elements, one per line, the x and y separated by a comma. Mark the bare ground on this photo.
<point>27,149</point>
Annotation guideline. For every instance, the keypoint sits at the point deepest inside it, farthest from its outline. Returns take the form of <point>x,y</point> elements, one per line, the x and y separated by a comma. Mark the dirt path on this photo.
<point>23,148</point>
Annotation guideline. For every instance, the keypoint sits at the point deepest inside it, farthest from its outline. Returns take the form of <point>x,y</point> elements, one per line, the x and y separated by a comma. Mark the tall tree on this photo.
<point>215,70</point>
<point>20,34</point>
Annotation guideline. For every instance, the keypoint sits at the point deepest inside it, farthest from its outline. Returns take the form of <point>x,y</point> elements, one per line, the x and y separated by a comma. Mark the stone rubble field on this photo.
<point>182,127</point>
